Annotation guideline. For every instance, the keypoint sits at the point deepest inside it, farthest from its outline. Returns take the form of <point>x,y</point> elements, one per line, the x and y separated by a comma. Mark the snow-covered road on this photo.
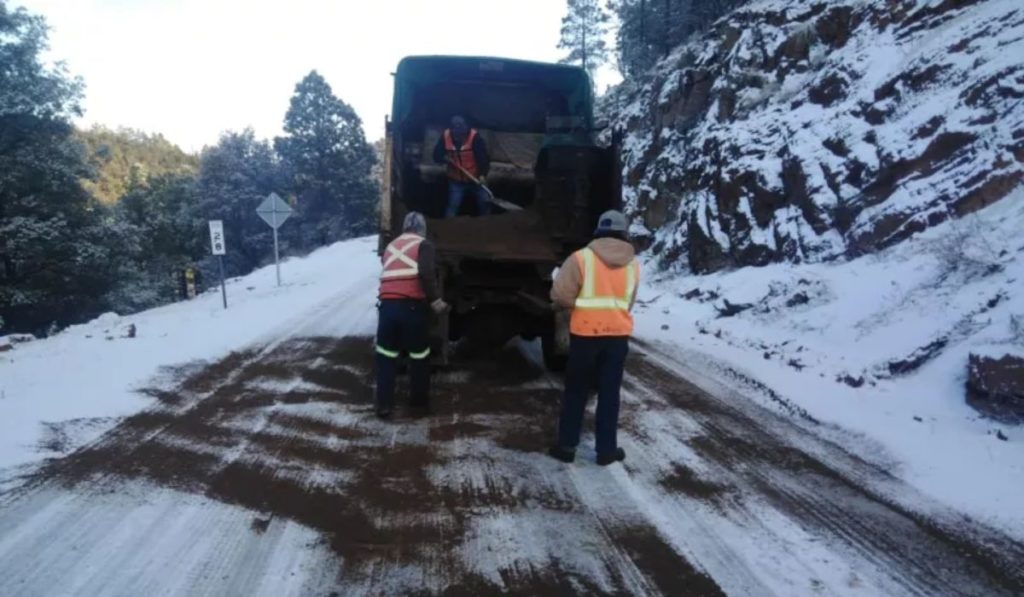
<point>236,453</point>
<point>265,473</point>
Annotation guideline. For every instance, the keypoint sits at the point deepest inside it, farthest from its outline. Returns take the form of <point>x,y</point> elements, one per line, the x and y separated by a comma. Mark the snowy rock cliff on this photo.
<point>808,131</point>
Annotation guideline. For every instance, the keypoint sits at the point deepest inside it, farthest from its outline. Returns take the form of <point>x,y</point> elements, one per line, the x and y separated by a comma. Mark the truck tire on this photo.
<point>552,359</point>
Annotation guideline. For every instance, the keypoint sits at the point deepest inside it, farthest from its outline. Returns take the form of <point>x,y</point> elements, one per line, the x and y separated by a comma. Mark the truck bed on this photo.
<point>512,236</point>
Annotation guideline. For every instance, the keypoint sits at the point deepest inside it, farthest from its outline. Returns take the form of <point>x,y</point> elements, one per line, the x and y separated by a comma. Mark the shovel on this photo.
<point>506,205</point>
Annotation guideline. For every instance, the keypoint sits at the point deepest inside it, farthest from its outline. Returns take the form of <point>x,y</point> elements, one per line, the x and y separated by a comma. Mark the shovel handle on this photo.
<point>468,175</point>
<point>499,202</point>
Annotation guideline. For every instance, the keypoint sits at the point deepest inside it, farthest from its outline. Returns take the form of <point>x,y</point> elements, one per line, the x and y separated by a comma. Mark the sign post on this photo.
<point>218,248</point>
<point>274,212</point>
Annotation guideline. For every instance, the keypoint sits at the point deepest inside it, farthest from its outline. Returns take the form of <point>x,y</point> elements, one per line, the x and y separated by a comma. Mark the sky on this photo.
<point>191,69</point>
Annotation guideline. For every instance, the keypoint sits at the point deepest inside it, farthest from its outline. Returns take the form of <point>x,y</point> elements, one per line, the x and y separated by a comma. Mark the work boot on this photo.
<point>612,457</point>
<point>566,455</point>
<point>384,414</point>
<point>420,410</point>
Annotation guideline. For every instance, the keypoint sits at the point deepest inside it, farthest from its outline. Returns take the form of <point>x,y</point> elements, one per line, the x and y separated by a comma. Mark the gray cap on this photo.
<point>612,221</point>
<point>414,222</point>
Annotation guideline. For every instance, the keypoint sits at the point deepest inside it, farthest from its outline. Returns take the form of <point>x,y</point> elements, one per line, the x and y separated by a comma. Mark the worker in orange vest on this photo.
<point>461,146</point>
<point>598,283</point>
<point>408,292</point>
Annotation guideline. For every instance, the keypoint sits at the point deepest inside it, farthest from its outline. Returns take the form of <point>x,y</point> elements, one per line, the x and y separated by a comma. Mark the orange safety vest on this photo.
<point>602,307</point>
<point>462,156</point>
<point>400,278</point>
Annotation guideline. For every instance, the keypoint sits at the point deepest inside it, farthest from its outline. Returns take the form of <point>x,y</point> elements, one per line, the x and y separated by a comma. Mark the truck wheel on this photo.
<point>552,359</point>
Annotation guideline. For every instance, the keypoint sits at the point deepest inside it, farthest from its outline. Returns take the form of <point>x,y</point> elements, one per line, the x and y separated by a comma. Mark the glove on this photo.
<point>439,306</point>
<point>482,179</point>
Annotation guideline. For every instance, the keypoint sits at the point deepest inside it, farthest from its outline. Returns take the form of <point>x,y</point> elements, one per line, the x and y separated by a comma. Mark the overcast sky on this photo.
<point>191,69</point>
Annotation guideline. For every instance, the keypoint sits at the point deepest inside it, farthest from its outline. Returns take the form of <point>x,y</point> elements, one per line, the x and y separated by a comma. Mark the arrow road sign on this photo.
<point>274,211</point>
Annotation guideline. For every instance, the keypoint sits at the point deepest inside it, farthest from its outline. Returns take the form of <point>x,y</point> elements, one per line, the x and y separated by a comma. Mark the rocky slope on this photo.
<point>809,131</point>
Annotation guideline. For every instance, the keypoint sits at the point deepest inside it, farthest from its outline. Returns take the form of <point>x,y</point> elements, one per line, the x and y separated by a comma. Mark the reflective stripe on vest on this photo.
<point>589,300</point>
<point>602,306</point>
<point>397,262</point>
<point>462,156</point>
<point>400,277</point>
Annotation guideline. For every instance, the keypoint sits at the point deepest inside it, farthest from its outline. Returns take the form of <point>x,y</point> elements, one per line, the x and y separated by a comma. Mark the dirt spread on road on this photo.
<point>289,433</point>
<point>464,502</point>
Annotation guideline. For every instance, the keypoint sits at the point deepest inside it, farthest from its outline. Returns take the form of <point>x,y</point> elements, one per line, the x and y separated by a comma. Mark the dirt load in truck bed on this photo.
<point>513,236</point>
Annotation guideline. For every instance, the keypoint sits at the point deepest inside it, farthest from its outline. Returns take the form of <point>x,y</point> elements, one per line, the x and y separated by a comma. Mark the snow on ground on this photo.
<point>59,393</point>
<point>815,331</point>
<point>195,538</point>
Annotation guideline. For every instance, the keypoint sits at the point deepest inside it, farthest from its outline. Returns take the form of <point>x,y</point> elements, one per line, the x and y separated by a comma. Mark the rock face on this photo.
<point>995,386</point>
<point>813,131</point>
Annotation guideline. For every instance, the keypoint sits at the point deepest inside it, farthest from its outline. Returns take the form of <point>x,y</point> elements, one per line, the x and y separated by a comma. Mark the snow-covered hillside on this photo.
<point>60,393</point>
<point>808,131</point>
<point>832,194</point>
<point>877,345</point>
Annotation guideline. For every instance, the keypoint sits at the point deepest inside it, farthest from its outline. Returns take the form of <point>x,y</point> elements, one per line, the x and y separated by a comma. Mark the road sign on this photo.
<point>217,237</point>
<point>274,212</point>
<point>219,248</point>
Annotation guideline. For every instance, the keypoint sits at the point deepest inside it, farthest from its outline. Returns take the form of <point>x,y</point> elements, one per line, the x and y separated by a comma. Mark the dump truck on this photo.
<point>537,120</point>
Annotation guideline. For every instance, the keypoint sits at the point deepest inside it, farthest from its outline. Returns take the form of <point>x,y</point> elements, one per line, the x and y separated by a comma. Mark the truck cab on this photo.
<point>538,124</point>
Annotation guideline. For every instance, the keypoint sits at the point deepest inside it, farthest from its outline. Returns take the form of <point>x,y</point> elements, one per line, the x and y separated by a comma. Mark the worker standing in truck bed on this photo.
<point>464,152</point>
<point>408,293</point>
<point>599,284</point>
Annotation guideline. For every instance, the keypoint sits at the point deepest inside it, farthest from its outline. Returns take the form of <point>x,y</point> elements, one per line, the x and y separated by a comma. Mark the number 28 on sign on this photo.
<point>217,237</point>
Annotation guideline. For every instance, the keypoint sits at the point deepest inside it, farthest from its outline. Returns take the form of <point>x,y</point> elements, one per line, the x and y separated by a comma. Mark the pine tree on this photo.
<point>635,35</point>
<point>650,29</point>
<point>124,157</point>
<point>235,176</point>
<point>329,160</point>
<point>583,29</point>
<point>54,263</point>
<point>159,231</point>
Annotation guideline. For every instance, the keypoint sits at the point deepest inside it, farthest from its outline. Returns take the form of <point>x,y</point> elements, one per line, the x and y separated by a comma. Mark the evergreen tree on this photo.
<point>635,36</point>
<point>235,176</point>
<point>54,263</point>
<point>124,157</point>
<point>329,161</point>
<point>650,29</point>
<point>583,30</point>
<point>159,231</point>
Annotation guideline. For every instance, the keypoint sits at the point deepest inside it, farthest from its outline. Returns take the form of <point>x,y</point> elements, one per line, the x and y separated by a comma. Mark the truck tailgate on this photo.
<point>513,236</point>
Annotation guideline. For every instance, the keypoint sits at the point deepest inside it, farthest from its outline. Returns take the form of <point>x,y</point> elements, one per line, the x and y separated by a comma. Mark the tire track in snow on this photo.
<point>421,505</point>
<point>833,494</point>
<point>53,540</point>
<point>272,464</point>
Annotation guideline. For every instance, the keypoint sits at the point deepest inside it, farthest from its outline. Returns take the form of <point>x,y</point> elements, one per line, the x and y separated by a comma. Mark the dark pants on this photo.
<point>458,190</point>
<point>593,359</point>
<point>403,327</point>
